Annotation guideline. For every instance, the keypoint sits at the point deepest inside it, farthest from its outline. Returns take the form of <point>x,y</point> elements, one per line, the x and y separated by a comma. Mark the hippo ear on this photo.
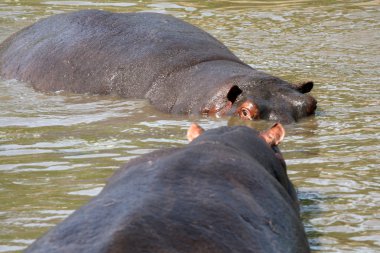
<point>194,131</point>
<point>274,135</point>
<point>233,93</point>
<point>304,87</point>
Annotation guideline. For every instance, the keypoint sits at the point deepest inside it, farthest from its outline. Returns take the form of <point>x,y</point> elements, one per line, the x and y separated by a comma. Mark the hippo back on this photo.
<point>102,52</point>
<point>213,195</point>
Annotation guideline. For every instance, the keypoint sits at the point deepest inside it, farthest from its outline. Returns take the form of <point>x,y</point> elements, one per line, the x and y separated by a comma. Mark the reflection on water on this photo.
<point>56,150</point>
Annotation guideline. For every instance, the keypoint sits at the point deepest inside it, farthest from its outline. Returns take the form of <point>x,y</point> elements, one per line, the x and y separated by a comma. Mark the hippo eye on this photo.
<point>244,113</point>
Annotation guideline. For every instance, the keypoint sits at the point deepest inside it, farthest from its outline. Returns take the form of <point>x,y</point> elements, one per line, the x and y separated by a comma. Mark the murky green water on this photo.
<point>56,151</point>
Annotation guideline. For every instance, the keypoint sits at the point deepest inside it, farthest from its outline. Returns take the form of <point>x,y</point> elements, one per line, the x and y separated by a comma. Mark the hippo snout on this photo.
<point>287,103</point>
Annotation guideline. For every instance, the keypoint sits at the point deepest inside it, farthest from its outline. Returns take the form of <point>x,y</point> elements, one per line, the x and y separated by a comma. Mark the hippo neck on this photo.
<point>196,86</point>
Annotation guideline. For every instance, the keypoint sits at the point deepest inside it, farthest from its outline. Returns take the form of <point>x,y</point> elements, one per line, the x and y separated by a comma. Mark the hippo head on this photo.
<point>272,136</point>
<point>264,98</point>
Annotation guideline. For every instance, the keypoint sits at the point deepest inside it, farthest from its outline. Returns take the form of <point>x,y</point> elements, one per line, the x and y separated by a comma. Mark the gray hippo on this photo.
<point>178,67</point>
<point>225,192</point>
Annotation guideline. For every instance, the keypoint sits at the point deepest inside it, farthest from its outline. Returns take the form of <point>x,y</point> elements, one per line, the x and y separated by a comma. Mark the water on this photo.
<point>57,150</point>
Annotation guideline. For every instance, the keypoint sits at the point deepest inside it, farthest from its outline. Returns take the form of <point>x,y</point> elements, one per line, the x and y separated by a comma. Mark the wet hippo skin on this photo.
<point>178,67</point>
<point>225,192</point>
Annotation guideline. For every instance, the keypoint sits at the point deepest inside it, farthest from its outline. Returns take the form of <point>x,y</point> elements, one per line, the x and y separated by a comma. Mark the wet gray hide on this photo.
<point>178,67</point>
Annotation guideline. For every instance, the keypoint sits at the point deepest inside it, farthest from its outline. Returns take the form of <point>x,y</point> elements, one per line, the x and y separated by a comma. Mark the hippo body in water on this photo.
<point>225,192</point>
<point>178,67</point>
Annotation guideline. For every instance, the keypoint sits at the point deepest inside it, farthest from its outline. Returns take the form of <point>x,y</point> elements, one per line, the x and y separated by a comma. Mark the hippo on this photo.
<point>178,67</point>
<point>225,192</point>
